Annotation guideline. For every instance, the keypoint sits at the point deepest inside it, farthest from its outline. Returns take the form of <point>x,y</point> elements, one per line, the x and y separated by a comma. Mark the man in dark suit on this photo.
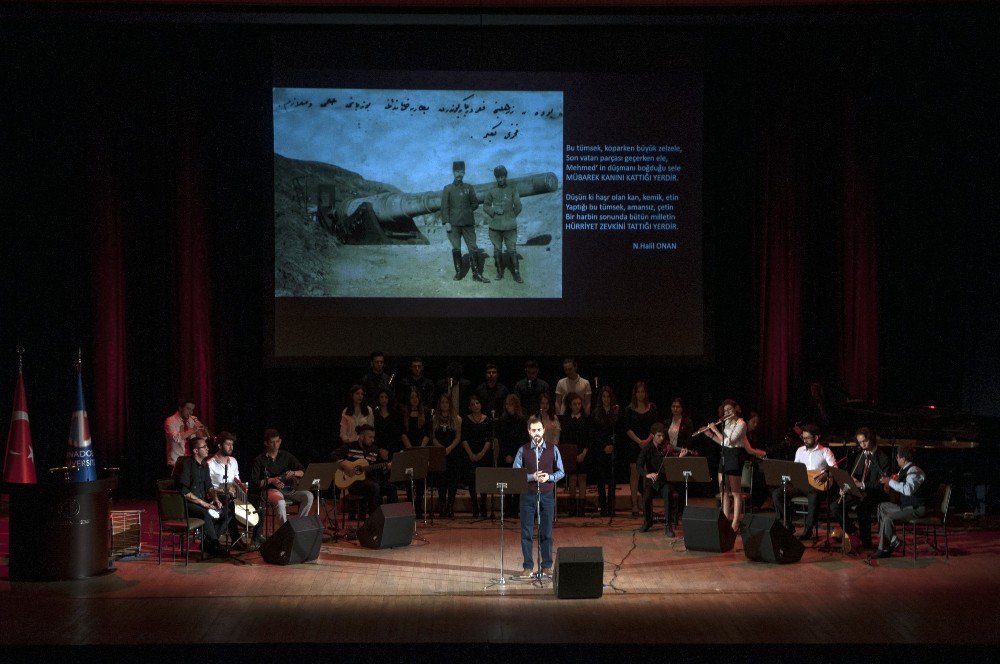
<point>868,467</point>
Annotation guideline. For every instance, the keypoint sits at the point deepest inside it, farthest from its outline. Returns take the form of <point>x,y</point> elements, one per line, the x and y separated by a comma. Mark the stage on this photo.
<point>433,592</point>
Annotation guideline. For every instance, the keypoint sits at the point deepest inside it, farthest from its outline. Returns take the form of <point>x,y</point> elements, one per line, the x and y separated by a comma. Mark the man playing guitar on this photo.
<point>365,465</point>
<point>274,474</point>
<point>817,459</point>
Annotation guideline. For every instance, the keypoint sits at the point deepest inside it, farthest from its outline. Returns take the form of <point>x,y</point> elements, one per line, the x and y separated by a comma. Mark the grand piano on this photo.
<point>952,446</point>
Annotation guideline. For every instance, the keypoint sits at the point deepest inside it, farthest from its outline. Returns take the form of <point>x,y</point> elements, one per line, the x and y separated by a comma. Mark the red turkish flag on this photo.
<point>19,462</point>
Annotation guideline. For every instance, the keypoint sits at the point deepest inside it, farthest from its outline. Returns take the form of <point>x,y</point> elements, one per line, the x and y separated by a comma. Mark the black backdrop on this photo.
<point>922,82</point>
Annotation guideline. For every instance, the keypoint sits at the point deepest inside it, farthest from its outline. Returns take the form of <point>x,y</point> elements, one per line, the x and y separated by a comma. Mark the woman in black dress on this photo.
<point>416,433</point>
<point>447,433</point>
<point>388,424</point>
<point>512,433</point>
<point>578,429</point>
<point>606,417</point>
<point>478,450</point>
<point>640,415</point>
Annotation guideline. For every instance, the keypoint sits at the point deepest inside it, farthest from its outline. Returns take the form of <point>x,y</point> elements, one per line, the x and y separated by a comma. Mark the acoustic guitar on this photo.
<point>344,480</point>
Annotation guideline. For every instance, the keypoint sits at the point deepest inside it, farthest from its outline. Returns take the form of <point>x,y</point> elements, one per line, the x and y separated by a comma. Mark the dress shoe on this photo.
<point>883,553</point>
<point>669,532</point>
<point>644,528</point>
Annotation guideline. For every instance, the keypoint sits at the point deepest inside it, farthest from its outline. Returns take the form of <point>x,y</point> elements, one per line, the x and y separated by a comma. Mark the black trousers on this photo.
<point>651,490</point>
<point>213,527</point>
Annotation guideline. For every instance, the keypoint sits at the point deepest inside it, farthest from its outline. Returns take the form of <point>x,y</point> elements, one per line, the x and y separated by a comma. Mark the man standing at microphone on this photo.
<point>544,465</point>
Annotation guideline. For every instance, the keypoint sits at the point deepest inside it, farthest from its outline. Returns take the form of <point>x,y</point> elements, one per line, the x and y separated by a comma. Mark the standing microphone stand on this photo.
<point>501,580</point>
<point>495,451</point>
<point>416,534</point>
<point>613,498</point>
<point>424,497</point>
<point>231,510</point>
<point>538,514</point>
<point>725,478</point>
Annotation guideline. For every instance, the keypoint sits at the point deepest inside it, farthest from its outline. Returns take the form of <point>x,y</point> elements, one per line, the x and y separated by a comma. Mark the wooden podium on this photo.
<point>59,531</point>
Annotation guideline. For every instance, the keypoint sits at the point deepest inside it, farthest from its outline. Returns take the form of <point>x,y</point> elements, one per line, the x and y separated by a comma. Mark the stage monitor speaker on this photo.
<point>389,526</point>
<point>579,572</point>
<point>707,529</point>
<point>767,541</point>
<point>297,541</point>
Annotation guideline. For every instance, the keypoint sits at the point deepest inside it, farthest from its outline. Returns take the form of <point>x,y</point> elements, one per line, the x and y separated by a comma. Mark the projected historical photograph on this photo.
<point>417,193</point>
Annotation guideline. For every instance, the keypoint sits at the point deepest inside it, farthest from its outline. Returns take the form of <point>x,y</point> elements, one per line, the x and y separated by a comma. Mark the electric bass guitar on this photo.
<point>343,480</point>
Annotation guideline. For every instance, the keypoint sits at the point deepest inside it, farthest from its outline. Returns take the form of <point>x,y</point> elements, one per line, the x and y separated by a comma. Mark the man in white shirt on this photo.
<point>224,472</point>
<point>816,458</point>
<point>573,382</point>
<point>179,428</point>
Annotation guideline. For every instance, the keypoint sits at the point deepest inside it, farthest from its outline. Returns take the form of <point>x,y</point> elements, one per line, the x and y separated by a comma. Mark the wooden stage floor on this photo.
<point>432,592</point>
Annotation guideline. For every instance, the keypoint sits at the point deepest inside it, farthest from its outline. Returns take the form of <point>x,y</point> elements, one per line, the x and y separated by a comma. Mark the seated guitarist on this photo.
<point>274,474</point>
<point>375,486</point>
<point>817,458</point>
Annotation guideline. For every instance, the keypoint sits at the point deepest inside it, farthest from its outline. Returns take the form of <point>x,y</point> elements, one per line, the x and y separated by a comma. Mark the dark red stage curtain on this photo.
<point>858,333</point>
<point>109,410</point>
<point>779,275</point>
<point>193,315</point>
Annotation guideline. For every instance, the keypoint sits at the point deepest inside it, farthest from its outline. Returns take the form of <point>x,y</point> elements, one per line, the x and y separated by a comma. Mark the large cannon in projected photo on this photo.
<point>387,218</point>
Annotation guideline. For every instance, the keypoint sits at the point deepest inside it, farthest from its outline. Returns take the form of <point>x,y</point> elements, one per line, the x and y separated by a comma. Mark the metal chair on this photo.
<point>801,504</point>
<point>174,519</point>
<point>931,521</point>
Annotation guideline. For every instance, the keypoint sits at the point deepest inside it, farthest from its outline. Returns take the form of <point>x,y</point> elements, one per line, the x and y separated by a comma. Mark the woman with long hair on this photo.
<point>416,433</point>
<point>354,415</point>
<point>512,433</point>
<point>606,416</point>
<point>733,439</point>
<point>388,427</point>
<point>478,449</point>
<point>547,414</point>
<point>640,415</point>
<point>446,432</point>
<point>578,430</point>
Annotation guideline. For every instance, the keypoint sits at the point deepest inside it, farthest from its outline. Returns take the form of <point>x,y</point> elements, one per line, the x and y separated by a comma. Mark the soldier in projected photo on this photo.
<point>502,204</point>
<point>458,201</point>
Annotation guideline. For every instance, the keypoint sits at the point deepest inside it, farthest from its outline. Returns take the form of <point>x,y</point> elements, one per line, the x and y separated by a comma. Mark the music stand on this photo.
<point>319,476</point>
<point>785,473</point>
<point>409,466</point>
<point>504,481</point>
<point>568,453</point>
<point>435,464</point>
<point>686,469</point>
<point>844,480</point>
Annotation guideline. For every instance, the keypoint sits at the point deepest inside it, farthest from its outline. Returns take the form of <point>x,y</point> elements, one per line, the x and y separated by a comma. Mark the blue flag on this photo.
<point>80,453</point>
